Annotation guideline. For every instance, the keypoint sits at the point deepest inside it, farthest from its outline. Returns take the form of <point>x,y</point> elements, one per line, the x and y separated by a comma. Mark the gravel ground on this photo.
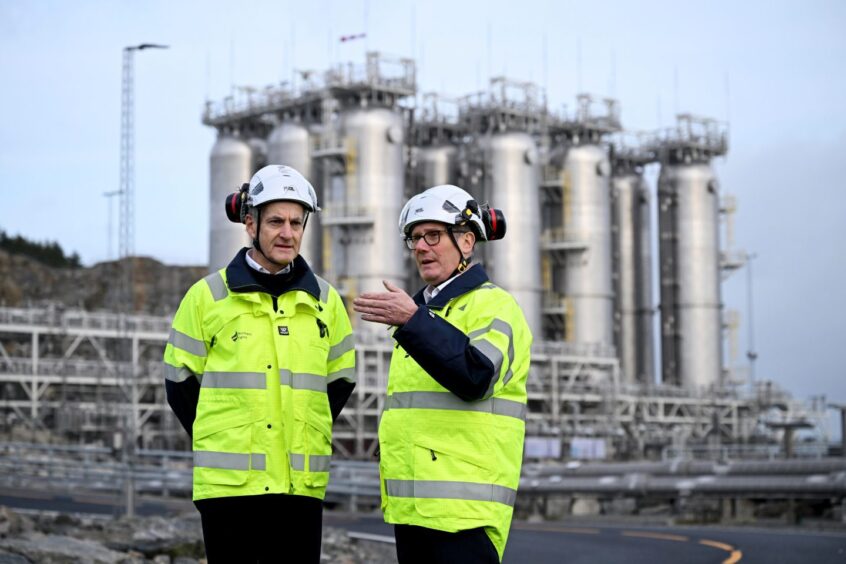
<point>65,539</point>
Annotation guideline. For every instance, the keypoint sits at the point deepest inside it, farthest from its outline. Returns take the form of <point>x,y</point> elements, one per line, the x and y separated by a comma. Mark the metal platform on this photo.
<point>81,377</point>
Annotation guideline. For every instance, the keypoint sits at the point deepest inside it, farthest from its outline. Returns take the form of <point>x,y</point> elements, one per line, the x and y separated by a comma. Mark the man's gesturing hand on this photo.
<point>393,307</point>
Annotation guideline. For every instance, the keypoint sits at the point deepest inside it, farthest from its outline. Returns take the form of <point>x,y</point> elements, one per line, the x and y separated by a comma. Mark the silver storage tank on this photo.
<point>230,166</point>
<point>587,219</point>
<point>436,165</point>
<point>259,148</point>
<point>688,221</point>
<point>645,303</point>
<point>632,264</point>
<point>364,245</point>
<point>512,183</point>
<point>290,144</point>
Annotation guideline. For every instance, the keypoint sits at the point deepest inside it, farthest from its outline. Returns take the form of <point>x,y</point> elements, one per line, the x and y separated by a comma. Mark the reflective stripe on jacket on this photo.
<point>448,463</point>
<point>263,422</point>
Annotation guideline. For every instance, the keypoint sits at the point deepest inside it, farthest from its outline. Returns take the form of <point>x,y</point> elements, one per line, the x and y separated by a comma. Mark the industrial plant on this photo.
<point>578,255</point>
<point>616,375</point>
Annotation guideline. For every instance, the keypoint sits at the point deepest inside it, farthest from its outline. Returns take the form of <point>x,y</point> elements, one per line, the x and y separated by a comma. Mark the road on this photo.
<point>546,543</point>
<point>90,503</point>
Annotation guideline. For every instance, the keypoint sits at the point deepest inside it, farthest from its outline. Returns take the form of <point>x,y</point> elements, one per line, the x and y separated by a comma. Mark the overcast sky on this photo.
<point>775,69</point>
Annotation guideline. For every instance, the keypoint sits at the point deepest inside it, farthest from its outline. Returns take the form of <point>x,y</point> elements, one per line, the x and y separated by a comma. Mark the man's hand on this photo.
<point>393,307</point>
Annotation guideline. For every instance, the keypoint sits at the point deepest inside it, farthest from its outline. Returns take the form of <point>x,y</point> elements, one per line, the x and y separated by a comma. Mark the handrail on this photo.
<point>169,473</point>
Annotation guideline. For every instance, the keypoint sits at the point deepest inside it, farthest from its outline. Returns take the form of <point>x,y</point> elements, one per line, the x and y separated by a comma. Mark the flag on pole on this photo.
<point>345,38</point>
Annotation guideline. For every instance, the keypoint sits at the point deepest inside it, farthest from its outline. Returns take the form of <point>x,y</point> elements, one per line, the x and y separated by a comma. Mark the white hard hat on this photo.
<point>275,183</point>
<point>445,204</point>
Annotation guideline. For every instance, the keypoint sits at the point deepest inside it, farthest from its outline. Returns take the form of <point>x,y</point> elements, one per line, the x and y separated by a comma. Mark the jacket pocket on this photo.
<point>448,483</point>
<point>219,416</point>
<point>319,449</point>
<point>223,448</point>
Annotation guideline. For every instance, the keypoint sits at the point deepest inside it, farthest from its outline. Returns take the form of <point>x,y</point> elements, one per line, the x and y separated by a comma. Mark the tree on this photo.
<point>49,252</point>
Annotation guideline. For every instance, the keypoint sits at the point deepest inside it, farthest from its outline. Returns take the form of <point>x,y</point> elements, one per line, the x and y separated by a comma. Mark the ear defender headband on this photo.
<point>492,218</point>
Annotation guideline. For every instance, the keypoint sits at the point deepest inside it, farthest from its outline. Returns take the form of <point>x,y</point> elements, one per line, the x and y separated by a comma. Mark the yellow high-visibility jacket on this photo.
<point>451,435</point>
<point>263,364</point>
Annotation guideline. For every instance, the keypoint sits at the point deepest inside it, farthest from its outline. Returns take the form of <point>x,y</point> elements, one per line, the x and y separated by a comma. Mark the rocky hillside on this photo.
<point>64,539</point>
<point>156,288</point>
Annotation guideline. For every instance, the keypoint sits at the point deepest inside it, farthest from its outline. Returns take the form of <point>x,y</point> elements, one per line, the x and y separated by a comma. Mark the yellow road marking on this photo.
<point>735,557</point>
<point>659,536</point>
<point>715,544</point>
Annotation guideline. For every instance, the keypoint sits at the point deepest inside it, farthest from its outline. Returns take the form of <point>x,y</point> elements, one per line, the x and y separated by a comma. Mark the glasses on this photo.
<point>432,238</point>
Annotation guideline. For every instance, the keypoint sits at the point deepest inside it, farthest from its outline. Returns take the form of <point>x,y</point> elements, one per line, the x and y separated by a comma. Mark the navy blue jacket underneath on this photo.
<point>440,348</point>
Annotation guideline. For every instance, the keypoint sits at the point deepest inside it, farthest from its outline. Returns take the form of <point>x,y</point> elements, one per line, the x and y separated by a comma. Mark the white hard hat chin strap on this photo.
<point>257,223</point>
<point>464,261</point>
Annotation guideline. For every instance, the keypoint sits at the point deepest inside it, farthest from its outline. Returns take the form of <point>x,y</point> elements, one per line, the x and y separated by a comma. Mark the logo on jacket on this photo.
<point>240,335</point>
<point>283,329</point>
<point>323,328</point>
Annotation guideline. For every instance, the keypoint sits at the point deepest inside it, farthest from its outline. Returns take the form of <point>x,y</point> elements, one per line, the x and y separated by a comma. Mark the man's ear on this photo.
<point>468,242</point>
<point>251,225</point>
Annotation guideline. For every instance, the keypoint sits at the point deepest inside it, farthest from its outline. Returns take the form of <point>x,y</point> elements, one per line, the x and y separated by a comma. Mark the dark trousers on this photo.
<point>262,528</point>
<point>419,544</point>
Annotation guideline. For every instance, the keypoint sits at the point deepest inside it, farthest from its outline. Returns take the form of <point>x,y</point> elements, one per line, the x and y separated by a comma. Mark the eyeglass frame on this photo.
<point>411,242</point>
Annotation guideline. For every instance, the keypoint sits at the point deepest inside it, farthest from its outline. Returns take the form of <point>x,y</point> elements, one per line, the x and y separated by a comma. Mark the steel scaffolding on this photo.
<point>61,376</point>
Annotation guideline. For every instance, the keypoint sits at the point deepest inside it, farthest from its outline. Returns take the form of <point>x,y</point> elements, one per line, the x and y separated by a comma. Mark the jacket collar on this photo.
<point>240,279</point>
<point>472,278</point>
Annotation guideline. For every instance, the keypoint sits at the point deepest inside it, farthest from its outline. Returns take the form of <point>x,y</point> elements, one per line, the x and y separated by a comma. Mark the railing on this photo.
<point>375,73</point>
<point>743,452</point>
<point>344,213</point>
<point>92,468</point>
<point>698,132</point>
<point>634,146</point>
<point>59,318</point>
<point>161,472</point>
<point>601,352</point>
<point>167,473</point>
<point>558,237</point>
<point>553,300</point>
<point>74,367</point>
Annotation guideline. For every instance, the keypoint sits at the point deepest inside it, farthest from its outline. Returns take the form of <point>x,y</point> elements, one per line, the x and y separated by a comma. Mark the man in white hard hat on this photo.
<point>258,365</point>
<point>451,435</point>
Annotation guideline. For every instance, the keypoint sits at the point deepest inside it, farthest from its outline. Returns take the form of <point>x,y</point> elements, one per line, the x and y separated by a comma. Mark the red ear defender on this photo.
<point>494,221</point>
<point>234,204</point>
<point>492,218</point>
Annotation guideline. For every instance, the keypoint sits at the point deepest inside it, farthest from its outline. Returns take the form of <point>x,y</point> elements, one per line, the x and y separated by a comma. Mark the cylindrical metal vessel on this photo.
<point>644,304</point>
<point>632,264</point>
<point>436,165</point>
<point>290,144</point>
<point>230,165</point>
<point>691,343</point>
<point>513,185</point>
<point>587,220</point>
<point>259,148</point>
<point>364,245</point>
